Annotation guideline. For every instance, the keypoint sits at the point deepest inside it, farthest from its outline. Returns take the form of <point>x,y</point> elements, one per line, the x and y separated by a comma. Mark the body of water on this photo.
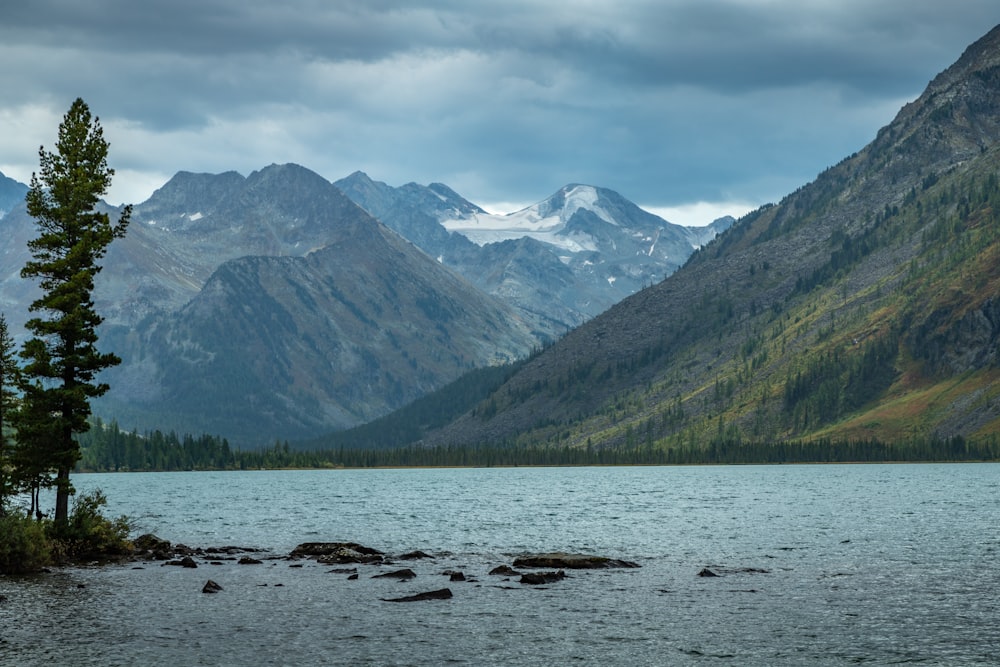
<point>818,565</point>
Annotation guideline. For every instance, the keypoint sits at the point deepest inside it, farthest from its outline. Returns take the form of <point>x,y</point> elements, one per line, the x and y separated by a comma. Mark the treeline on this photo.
<point>106,448</point>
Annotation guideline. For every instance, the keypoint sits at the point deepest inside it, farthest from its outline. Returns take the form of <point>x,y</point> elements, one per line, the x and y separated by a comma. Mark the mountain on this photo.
<point>11,194</point>
<point>560,262</point>
<point>282,309</point>
<point>864,306</point>
<point>228,305</point>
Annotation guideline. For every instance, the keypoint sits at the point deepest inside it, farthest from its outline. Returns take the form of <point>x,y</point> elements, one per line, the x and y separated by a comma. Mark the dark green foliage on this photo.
<point>61,358</point>
<point>725,448</point>
<point>107,448</point>
<point>10,379</point>
<point>89,535</point>
<point>841,381</point>
<point>24,545</point>
<point>28,545</point>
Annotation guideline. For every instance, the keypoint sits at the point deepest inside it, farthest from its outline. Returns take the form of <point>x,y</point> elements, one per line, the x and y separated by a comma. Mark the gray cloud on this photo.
<point>667,102</point>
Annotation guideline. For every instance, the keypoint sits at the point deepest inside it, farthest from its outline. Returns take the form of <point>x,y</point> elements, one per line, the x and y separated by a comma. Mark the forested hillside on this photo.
<point>863,306</point>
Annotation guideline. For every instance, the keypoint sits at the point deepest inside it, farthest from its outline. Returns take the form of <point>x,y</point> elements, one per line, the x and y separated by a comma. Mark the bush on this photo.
<point>24,546</point>
<point>89,535</point>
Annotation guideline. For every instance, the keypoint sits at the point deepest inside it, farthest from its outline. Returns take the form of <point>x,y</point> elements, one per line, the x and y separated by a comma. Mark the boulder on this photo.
<point>151,547</point>
<point>211,587</point>
<point>187,561</point>
<point>406,573</point>
<point>442,594</point>
<point>705,572</point>
<point>414,555</point>
<point>246,560</point>
<point>150,542</point>
<point>338,552</point>
<point>505,571</point>
<point>539,578</point>
<point>571,561</point>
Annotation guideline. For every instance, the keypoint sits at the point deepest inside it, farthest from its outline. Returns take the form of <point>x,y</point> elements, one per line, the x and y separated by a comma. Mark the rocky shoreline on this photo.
<point>350,558</point>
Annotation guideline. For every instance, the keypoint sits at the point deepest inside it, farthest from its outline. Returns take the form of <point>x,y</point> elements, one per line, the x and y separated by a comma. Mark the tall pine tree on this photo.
<point>10,379</point>
<point>62,359</point>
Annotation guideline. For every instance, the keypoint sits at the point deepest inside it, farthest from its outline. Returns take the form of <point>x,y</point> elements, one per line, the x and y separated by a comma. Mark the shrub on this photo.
<point>24,546</point>
<point>89,535</point>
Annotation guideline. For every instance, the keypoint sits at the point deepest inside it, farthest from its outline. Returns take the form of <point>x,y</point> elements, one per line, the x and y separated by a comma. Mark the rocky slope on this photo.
<point>326,319</point>
<point>861,306</point>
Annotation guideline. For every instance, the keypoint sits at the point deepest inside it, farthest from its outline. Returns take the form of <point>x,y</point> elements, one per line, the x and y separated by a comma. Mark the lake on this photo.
<point>817,565</point>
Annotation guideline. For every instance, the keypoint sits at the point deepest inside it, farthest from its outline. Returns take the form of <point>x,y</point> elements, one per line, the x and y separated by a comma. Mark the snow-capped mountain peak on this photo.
<point>543,221</point>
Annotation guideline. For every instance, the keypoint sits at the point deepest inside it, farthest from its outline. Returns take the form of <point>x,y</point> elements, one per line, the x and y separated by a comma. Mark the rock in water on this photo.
<point>443,594</point>
<point>571,561</point>
<point>338,552</point>
<point>211,587</point>
<point>539,578</point>
<point>396,574</point>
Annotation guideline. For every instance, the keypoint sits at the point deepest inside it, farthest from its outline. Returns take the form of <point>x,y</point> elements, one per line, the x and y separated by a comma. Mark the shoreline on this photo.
<point>556,465</point>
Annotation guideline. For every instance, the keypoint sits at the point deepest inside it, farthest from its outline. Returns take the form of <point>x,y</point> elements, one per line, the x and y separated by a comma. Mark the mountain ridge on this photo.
<point>589,246</point>
<point>839,313</point>
<point>280,346</point>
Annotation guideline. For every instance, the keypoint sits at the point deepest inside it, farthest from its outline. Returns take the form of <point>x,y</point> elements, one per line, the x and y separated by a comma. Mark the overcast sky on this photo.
<point>690,108</point>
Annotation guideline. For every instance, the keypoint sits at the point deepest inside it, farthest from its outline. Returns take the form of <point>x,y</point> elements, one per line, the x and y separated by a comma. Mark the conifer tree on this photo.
<point>9,381</point>
<point>62,359</point>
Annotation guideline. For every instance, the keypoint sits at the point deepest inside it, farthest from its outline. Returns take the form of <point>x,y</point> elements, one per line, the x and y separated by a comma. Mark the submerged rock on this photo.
<point>539,578</point>
<point>442,594</point>
<point>414,555</point>
<point>705,572</point>
<point>571,561</point>
<point>505,571</point>
<point>246,560</point>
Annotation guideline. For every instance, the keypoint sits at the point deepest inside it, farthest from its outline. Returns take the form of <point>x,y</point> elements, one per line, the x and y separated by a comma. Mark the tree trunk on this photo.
<point>62,497</point>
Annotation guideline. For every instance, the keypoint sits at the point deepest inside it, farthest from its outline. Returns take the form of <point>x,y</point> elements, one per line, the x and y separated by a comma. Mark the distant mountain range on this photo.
<point>561,261</point>
<point>272,306</point>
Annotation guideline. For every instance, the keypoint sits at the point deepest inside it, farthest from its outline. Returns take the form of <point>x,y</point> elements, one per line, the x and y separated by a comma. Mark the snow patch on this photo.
<point>484,228</point>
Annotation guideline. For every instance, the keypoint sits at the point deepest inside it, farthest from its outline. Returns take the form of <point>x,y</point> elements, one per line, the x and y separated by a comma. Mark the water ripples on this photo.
<point>823,565</point>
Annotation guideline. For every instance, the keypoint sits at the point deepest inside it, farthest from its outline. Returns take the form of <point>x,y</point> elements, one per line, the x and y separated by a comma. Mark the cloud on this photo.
<point>669,103</point>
